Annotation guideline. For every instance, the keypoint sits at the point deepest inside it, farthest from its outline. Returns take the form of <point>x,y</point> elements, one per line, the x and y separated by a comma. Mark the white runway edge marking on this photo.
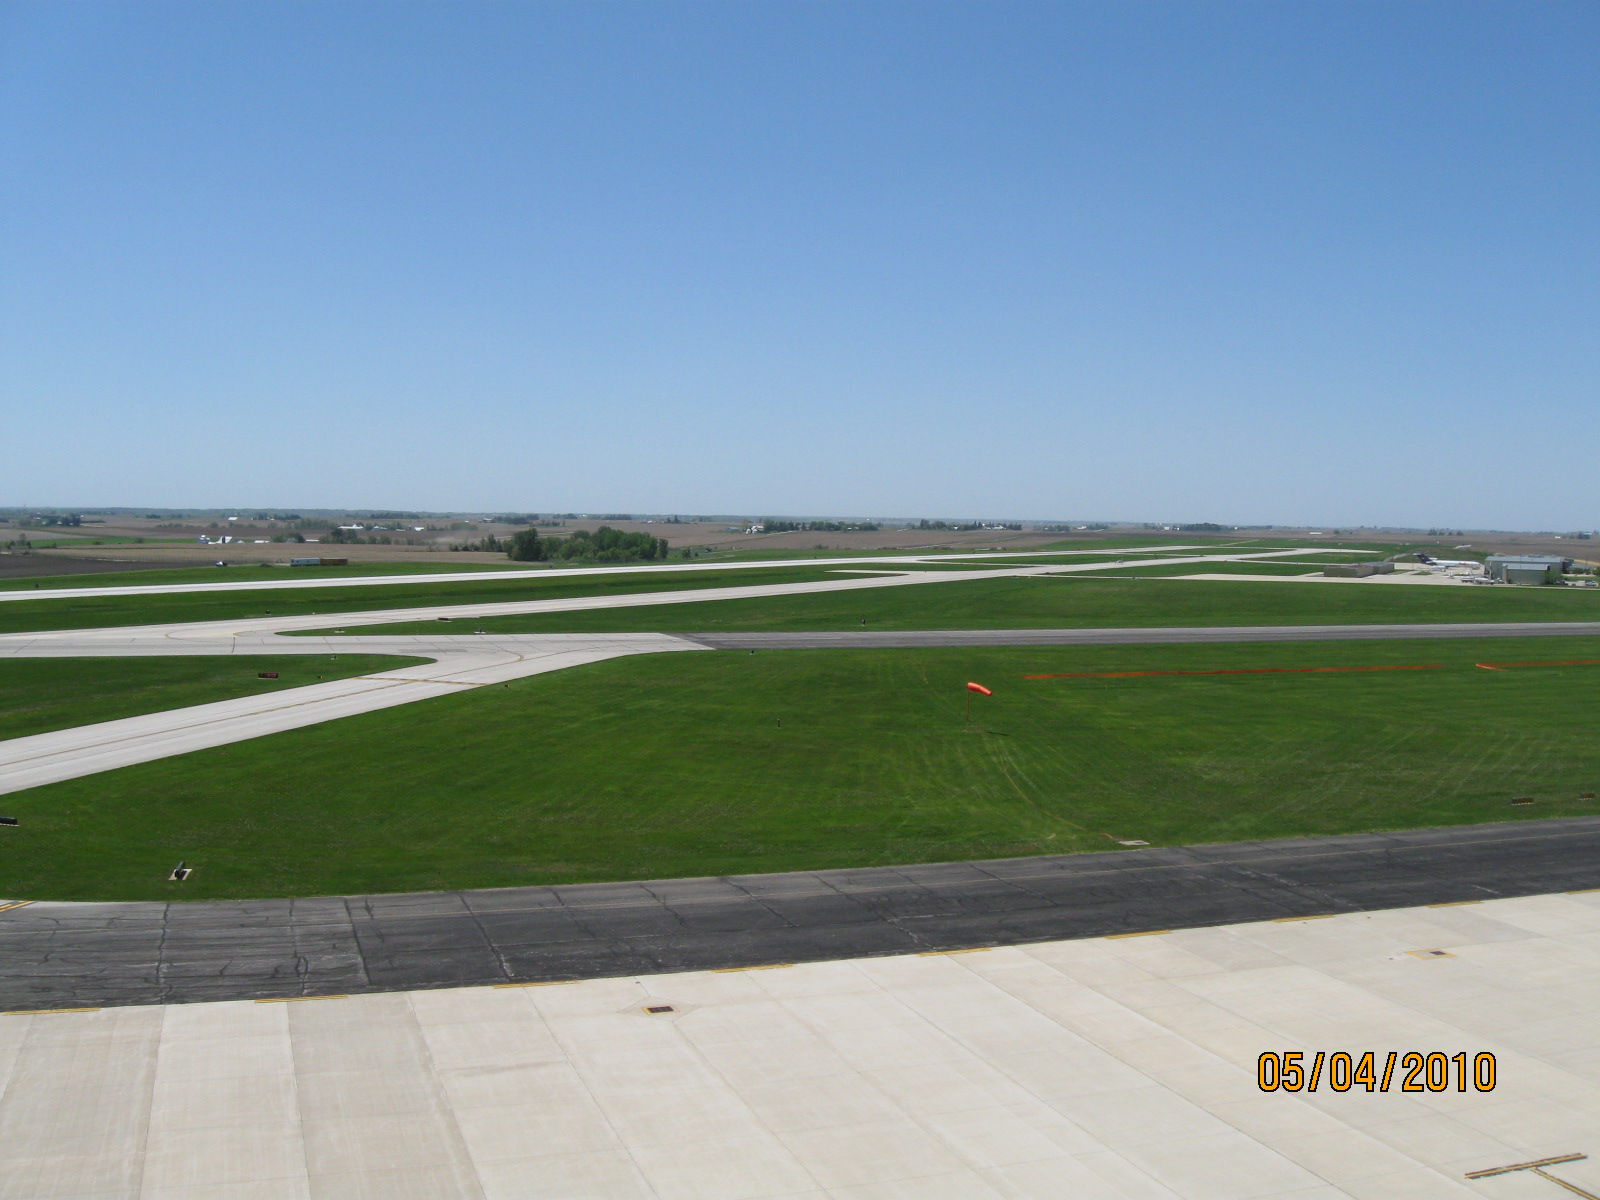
<point>71,753</point>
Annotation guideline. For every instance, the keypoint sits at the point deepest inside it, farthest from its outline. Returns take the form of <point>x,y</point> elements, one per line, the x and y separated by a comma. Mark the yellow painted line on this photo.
<point>1110,937</point>
<point>762,967</point>
<point>1583,891</point>
<point>25,903</point>
<point>1527,1166</point>
<point>296,999</point>
<point>544,983</point>
<point>39,1012</point>
<point>1454,903</point>
<point>1317,917</point>
<point>968,950</point>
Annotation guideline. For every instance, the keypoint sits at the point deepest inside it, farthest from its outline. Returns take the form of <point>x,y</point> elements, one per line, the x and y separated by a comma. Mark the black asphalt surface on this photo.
<point>55,955</point>
<point>866,639</point>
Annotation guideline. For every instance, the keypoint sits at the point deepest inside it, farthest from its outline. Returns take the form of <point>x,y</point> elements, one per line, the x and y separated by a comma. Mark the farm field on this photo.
<point>723,762</point>
<point>38,695</point>
<point>1068,602</point>
<point>91,612</point>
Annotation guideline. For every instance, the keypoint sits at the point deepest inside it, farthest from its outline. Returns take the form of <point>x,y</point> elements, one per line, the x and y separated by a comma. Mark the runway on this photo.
<point>58,955</point>
<point>869,639</point>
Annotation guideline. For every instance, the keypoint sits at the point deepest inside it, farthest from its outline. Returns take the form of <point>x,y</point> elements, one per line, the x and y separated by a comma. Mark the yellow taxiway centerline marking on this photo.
<point>541,983</point>
<point>1146,933</point>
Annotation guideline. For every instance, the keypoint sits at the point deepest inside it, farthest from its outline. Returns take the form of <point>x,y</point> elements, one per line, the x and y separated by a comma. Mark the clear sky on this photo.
<point>1282,262</point>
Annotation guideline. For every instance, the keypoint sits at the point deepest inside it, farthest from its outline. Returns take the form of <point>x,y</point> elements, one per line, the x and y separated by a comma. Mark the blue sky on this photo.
<point>1287,262</point>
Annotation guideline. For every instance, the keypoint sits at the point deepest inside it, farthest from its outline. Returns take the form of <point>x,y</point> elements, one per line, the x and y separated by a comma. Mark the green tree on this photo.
<point>526,546</point>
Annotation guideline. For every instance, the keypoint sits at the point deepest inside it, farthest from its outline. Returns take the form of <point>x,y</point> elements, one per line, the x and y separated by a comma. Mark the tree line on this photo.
<point>603,545</point>
<point>772,526</point>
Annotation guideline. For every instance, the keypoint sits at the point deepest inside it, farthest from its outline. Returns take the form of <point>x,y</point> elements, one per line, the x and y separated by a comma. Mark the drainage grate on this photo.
<point>659,1008</point>
<point>1430,954</point>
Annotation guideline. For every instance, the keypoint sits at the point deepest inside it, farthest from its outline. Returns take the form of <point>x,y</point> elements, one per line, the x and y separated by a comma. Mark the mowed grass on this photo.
<point>247,573</point>
<point>727,762</point>
<point>88,612</point>
<point>38,695</point>
<point>1067,602</point>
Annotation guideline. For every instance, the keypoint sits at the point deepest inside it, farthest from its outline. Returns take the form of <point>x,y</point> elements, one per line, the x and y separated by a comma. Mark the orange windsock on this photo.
<point>979,688</point>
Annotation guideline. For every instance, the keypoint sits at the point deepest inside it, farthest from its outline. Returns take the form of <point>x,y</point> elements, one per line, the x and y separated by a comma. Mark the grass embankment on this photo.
<point>38,695</point>
<point>87,612</point>
<point>1068,602</point>
<point>714,763</point>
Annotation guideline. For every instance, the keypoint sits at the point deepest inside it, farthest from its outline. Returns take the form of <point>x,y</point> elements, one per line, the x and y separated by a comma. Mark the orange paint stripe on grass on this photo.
<point>1568,662</point>
<point>1231,671</point>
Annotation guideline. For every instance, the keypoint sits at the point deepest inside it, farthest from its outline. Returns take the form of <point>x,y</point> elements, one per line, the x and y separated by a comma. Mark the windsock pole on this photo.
<point>973,687</point>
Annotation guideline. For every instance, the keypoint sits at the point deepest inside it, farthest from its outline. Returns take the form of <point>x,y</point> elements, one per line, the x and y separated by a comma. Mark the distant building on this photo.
<point>1358,570</point>
<point>1508,568</point>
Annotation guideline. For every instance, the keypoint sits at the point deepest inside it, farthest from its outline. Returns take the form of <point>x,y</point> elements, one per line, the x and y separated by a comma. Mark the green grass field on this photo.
<point>38,695</point>
<point>1069,602</point>
<point>86,612</point>
<point>713,763</point>
<point>245,573</point>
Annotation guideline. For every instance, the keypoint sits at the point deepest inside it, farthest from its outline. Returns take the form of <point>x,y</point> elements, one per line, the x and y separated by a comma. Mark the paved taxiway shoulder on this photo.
<point>55,955</point>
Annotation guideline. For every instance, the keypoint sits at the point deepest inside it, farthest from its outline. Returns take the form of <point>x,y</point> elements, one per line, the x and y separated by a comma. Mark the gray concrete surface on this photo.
<point>1093,1069</point>
<point>58,955</point>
